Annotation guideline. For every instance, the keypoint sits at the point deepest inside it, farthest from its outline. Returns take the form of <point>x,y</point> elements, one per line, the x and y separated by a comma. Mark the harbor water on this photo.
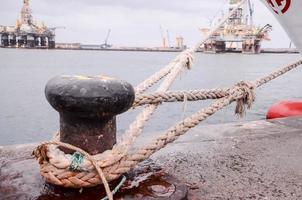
<point>25,115</point>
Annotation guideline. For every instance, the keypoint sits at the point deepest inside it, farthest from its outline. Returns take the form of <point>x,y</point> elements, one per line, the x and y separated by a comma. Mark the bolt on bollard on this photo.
<point>88,106</point>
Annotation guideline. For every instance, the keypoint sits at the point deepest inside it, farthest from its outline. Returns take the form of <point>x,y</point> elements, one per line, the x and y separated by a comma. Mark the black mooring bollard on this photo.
<point>88,107</point>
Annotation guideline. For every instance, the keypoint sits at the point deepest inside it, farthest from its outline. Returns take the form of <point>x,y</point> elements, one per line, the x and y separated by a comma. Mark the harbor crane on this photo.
<point>164,43</point>
<point>53,29</point>
<point>105,44</point>
<point>168,38</point>
<point>57,27</point>
<point>165,38</point>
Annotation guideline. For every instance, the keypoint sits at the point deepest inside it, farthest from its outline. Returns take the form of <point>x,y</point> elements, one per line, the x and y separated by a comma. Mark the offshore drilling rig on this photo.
<point>27,33</point>
<point>238,34</point>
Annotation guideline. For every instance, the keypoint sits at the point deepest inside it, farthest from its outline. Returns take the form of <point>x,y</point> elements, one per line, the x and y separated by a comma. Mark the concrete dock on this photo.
<point>246,160</point>
<point>254,160</point>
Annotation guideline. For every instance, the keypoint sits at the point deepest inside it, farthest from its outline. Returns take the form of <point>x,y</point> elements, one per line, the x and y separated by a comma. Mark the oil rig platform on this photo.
<point>27,33</point>
<point>238,34</point>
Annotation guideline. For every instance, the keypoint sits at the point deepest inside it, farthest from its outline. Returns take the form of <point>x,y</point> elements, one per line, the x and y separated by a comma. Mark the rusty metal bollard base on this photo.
<point>20,179</point>
<point>149,181</point>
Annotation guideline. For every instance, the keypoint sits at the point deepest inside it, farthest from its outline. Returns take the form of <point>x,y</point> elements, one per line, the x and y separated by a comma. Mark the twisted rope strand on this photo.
<point>137,125</point>
<point>149,82</point>
<point>89,157</point>
<point>184,59</point>
<point>196,95</point>
<point>240,91</point>
<point>191,95</point>
<point>58,173</point>
<point>128,161</point>
<point>54,163</point>
<point>277,73</point>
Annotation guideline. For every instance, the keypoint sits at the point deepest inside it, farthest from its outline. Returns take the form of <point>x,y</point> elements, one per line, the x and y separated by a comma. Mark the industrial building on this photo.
<point>27,33</point>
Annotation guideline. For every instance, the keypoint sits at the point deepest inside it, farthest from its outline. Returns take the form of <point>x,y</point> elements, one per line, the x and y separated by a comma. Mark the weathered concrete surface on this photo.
<point>254,160</point>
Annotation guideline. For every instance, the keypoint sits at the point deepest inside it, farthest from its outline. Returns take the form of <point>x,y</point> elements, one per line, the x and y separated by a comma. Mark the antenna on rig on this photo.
<point>251,11</point>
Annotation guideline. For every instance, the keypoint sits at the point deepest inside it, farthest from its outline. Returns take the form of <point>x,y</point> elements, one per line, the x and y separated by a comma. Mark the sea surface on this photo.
<point>26,116</point>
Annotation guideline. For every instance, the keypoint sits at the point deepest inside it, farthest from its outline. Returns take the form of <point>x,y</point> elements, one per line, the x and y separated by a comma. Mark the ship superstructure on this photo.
<point>238,34</point>
<point>27,33</point>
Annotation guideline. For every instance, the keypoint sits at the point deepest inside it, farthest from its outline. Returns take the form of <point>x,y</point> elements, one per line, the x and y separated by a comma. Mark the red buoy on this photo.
<point>284,109</point>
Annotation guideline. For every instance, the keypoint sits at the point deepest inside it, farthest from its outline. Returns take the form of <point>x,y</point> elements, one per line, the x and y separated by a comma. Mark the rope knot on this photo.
<point>186,58</point>
<point>40,152</point>
<point>244,94</point>
<point>76,162</point>
<point>190,58</point>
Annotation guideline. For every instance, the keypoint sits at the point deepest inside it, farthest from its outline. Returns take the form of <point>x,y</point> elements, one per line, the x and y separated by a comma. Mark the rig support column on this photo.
<point>4,40</point>
<point>42,41</point>
<point>18,39</point>
<point>12,40</point>
<point>251,46</point>
<point>51,43</point>
<point>22,41</point>
<point>88,107</point>
<point>30,41</point>
<point>38,41</point>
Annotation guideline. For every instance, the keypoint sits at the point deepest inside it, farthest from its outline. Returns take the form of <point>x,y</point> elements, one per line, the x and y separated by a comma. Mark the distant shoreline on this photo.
<point>159,49</point>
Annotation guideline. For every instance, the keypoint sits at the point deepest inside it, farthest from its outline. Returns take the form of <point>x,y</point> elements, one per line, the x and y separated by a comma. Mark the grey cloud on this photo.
<point>175,5</point>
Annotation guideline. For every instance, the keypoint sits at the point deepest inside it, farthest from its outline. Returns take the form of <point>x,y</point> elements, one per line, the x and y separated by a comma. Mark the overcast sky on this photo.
<point>133,22</point>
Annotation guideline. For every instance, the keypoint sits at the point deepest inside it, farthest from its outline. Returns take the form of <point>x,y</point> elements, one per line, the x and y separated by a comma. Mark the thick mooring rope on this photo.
<point>177,96</point>
<point>54,163</point>
<point>110,165</point>
<point>41,154</point>
<point>185,58</point>
<point>196,95</point>
<point>277,73</point>
<point>182,61</point>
